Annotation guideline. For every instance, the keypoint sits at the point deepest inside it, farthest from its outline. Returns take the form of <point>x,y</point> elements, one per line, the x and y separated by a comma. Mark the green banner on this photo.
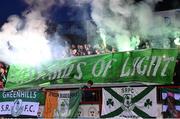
<point>20,103</point>
<point>150,65</point>
<point>25,95</point>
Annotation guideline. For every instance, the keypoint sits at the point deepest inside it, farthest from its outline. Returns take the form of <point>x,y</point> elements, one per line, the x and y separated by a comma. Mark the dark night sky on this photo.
<point>68,13</point>
<point>9,7</point>
<point>168,4</point>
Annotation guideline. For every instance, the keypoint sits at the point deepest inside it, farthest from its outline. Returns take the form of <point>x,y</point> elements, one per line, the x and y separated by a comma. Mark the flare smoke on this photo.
<point>24,40</point>
<point>124,24</point>
<point>120,23</point>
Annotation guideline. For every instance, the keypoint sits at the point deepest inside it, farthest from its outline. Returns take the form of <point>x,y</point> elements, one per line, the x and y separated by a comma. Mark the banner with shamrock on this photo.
<point>24,103</point>
<point>129,102</point>
<point>62,104</point>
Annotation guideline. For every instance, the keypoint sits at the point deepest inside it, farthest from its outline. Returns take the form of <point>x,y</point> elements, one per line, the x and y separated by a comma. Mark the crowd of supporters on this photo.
<point>87,49</point>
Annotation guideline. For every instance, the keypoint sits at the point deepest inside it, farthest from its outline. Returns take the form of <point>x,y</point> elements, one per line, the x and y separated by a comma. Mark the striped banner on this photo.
<point>62,104</point>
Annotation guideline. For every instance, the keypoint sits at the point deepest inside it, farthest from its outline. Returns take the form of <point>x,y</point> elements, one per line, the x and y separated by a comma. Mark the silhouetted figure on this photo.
<point>88,85</point>
<point>176,77</point>
<point>88,93</point>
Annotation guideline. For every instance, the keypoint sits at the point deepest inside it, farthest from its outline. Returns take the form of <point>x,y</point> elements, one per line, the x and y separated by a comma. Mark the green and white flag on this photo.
<point>129,102</point>
<point>20,103</point>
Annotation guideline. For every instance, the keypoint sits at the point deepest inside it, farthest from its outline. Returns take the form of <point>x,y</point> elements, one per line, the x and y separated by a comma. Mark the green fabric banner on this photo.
<point>20,103</point>
<point>25,95</point>
<point>150,65</point>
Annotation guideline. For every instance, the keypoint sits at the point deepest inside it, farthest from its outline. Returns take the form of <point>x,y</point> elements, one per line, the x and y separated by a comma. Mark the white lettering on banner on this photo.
<point>108,66</point>
<point>79,76</point>
<point>19,94</point>
<point>157,66</point>
<point>25,108</point>
<point>139,65</point>
<point>134,65</point>
<point>123,74</point>
<point>168,60</point>
<point>102,65</point>
<point>63,73</point>
<point>148,70</point>
<point>59,73</point>
<point>144,66</point>
<point>68,71</point>
<point>153,59</point>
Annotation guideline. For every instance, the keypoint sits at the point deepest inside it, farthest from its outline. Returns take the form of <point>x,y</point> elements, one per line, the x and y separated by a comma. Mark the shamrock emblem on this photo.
<point>62,104</point>
<point>109,102</point>
<point>148,103</point>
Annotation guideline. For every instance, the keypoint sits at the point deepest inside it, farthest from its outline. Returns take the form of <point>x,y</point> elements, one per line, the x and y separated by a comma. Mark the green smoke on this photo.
<point>125,25</point>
